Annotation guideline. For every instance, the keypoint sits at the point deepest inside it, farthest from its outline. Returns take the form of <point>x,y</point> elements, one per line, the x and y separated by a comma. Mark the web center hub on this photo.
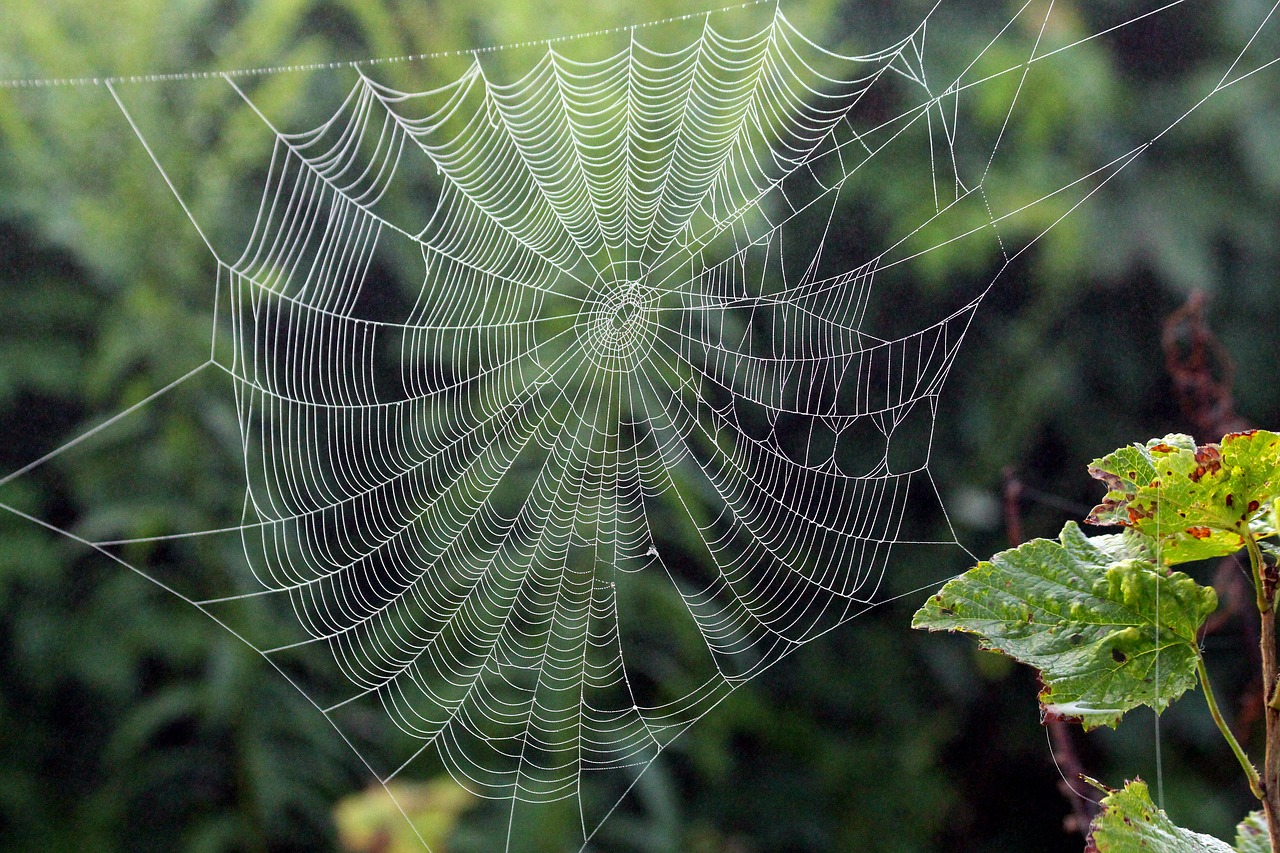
<point>621,325</point>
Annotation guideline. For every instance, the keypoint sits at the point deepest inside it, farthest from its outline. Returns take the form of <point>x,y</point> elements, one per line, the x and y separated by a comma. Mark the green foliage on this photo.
<point>1131,823</point>
<point>1251,835</point>
<point>1196,501</point>
<point>1089,620</point>
<point>374,820</point>
<point>1094,614</point>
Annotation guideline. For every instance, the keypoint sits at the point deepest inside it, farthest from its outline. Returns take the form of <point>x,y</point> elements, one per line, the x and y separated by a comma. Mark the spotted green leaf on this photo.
<point>1130,823</point>
<point>1086,617</point>
<point>1251,835</point>
<point>1198,501</point>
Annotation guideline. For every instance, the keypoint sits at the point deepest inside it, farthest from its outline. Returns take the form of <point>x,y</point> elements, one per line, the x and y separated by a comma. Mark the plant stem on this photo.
<point>1265,596</point>
<point>1255,783</point>
<point>1270,673</point>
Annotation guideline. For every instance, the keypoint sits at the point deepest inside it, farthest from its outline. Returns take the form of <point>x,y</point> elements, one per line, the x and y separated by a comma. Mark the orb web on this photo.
<point>459,502</point>
<point>628,403</point>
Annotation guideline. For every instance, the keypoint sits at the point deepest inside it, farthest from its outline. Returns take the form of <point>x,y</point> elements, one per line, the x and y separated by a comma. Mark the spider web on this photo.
<point>626,369</point>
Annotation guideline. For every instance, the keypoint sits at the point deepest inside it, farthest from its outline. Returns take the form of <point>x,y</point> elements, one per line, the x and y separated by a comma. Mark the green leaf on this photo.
<point>1131,823</point>
<point>1198,501</point>
<point>1251,835</point>
<point>1128,545</point>
<point>374,820</point>
<point>1088,621</point>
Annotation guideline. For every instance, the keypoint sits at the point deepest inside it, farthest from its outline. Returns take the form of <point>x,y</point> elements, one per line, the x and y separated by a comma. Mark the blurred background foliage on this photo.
<point>129,721</point>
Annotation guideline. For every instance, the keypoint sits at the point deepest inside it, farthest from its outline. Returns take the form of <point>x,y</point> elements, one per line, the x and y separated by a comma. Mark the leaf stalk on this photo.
<point>1266,594</point>
<point>1251,772</point>
<point>1270,677</point>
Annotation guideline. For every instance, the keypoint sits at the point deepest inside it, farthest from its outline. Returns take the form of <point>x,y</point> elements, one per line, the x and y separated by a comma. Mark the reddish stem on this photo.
<point>1083,809</point>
